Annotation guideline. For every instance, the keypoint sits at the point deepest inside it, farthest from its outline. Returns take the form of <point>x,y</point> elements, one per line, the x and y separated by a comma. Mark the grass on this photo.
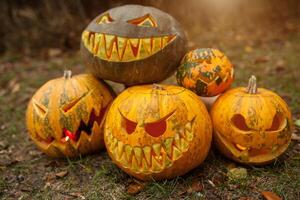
<point>96,177</point>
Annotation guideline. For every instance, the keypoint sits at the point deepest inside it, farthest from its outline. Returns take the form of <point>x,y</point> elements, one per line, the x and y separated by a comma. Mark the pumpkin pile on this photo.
<point>153,130</point>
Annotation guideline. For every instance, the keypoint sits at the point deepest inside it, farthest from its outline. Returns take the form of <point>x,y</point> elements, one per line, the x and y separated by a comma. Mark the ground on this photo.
<point>26,173</point>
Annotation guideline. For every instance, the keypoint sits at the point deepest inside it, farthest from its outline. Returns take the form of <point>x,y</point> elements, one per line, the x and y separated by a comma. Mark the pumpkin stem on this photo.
<point>252,86</point>
<point>67,74</point>
<point>157,86</point>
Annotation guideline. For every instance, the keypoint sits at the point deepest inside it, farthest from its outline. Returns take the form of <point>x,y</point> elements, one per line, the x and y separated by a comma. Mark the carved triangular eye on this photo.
<point>146,21</point>
<point>67,106</point>
<point>239,122</point>
<point>157,128</point>
<point>104,19</point>
<point>277,122</point>
<point>39,108</point>
<point>129,125</point>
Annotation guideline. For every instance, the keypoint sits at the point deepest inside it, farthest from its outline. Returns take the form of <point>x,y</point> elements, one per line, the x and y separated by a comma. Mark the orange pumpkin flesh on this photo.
<point>65,116</point>
<point>157,131</point>
<point>251,126</point>
<point>207,72</point>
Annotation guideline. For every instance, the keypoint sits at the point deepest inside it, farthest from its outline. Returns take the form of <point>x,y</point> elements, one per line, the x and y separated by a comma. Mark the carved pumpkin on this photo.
<point>207,72</point>
<point>157,131</point>
<point>133,44</point>
<point>65,116</point>
<point>251,126</point>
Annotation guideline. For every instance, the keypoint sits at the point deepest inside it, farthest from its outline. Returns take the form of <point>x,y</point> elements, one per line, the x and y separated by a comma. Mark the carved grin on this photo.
<point>253,154</point>
<point>155,158</point>
<point>85,131</point>
<point>120,49</point>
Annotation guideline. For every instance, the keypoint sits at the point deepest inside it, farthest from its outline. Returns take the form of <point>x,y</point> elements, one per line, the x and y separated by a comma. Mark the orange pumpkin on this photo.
<point>207,72</point>
<point>251,126</point>
<point>65,116</point>
<point>157,131</point>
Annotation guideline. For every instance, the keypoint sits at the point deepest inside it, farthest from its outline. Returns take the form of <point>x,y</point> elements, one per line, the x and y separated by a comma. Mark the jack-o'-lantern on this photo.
<point>207,72</point>
<point>133,44</point>
<point>251,125</point>
<point>157,131</point>
<point>65,116</point>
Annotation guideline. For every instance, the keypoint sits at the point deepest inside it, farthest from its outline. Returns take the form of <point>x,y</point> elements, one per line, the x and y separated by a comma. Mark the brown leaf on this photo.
<point>61,174</point>
<point>248,49</point>
<point>78,195</point>
<point>15,88</point>
<point>280,66</point>
<point>13,85</point>
<point>270,195</point>
<point>135,188</point>
<point>195,187</point>
<point>261,59</point>
<point>295,137</point>
<point>54,52</point>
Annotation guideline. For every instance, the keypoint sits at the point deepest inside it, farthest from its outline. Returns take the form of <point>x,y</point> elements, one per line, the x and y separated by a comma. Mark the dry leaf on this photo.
<point>195,187</point>
<point>61,174</point>
<point>295,137</point>
<point>135,188</point>
<point>15,88</point>
<point>280,65</point>
<point>270,195</point>
<point>262,59</point>
<point>248,49</point>
<point>78,195</point>
<point>54,52</point>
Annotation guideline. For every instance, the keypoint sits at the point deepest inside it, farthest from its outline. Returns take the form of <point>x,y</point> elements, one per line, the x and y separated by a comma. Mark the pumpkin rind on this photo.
<point>178,142</point>
<point>207,72</point>
<point>127,53</point>
<point>254,138</point>
<point>64,105</point>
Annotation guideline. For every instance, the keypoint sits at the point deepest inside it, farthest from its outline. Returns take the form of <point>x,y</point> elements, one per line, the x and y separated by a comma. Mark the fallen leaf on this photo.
<point>195,187</point>
<point>237,173</point>
<point>135,187</point>
<point>77,194</point>
<point>248,49</point>
<point>295,137</point>
<point>261,59</point>
<point>61,174</point>
<point>15,88</point>
<point>54,52</point>
<point>280,66</point>
<point>270,195</point>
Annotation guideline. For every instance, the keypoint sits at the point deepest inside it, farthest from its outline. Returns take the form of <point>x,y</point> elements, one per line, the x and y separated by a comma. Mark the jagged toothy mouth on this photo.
<point>155,158</point>
<point>120,49</point>
<point>86,128</point>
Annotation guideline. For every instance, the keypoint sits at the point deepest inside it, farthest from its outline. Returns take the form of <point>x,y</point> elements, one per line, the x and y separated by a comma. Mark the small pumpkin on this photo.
<point>207,72</point>
<point>157,131</point>
<point>65,116</point>
<point>251,125</point>
<point>133,44</point>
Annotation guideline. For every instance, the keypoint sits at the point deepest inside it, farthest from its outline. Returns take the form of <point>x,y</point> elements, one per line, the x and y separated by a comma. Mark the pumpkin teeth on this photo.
<point>120,49</point>
<point>153,158</point>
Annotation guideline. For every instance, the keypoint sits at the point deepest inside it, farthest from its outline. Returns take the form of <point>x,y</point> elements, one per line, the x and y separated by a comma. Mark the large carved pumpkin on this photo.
<point>207,72</point>
<point>133,44</point>
<point>157,131</point>
<point>65,116</point>
<point>251,126</point>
